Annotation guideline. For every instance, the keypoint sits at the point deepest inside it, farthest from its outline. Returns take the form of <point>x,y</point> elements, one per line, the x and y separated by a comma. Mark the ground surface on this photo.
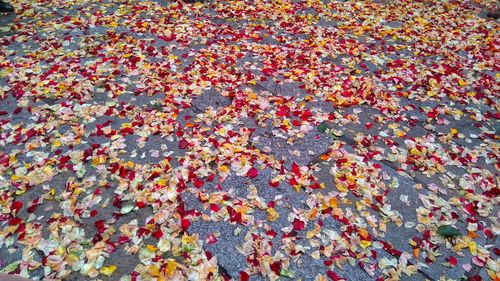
<point>249,140</point>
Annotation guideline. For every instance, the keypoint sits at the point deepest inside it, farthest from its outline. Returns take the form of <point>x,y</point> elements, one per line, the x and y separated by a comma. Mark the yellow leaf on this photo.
<point>60,250</point>
<point>416,252</point>
<point>98,160</point>
<point>334,203</point>
<point>359,206</point>
<point>171,268</point>
<point>152,248</point>
<point>473,248</point>
<point>186,239</point>
<point>415,151</point>
<point>56,144</point>
<point>272,215</point>
<point>363,233</point>
<point>153,270</point>
<point>351,178</point>
<point>310,234</point>
<point>462,82</point>
<point>433,82</point>
<point>223,169</point>
<point>453,131</point>
<point>365,243</point>
<point>72,258</point>
<point>400,133</point>
<point>108,270</point>
<point>313,213</point>
<point>341,187</point>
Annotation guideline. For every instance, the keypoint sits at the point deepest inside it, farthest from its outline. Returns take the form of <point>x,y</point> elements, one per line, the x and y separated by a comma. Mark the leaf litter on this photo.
<point>72,73</point>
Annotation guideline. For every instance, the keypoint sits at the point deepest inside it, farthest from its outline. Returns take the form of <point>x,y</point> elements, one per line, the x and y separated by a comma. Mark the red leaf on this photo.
<point>274,184</point>
<point>185,224</point>
<point>123,172</point>
<point>211,177</point>
<point>16,206</point>
<point>157,234</point>
<point>198,183</point>
<point>252,173</point>
<point>342,160</point>
<point>131,175</point>
<point>334,276</point>
<point>110,247</point>
<point>452,260</point>
<point>298,224</point>
<point>101,227</point>
<point>488,233</point>
<point>214,207</point>
<point>64,159</point>
<point>15,221</point>
<point>30,133</point>
<point>209,255</point>
<point>183,144</point>
<point>123,240</point>
<point>272,233</point>
<point>276,267</point>
<point>32,208</point>
<point>292,181</point>
<point>496,251</point>
<point>22,230</point>
<point>315,185</point>
<point>469,208</point>
<point>283,110</point>
<point>244,276</point>
<point>211,239</point>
